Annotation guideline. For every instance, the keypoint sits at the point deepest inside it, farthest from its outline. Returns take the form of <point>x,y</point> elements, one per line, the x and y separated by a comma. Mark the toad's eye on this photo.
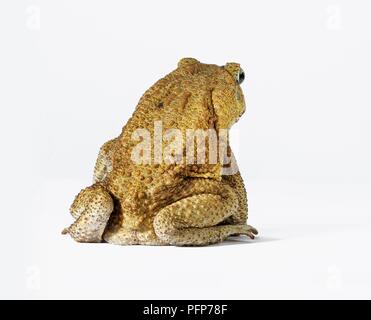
<point>240,77</point>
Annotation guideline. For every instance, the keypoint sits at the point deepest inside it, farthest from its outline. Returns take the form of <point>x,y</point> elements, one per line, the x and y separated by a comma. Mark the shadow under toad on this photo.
<point>231,241</point>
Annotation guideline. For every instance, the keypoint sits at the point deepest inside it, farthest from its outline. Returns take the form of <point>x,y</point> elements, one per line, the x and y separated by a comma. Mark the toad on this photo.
<point>149,190</point>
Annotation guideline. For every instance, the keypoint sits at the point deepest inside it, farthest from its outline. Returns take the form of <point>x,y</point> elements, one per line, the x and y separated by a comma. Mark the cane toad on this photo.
<point>142,193</point>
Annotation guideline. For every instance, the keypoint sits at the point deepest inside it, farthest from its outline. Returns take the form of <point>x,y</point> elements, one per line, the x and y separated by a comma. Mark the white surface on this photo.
<point>69,82</point>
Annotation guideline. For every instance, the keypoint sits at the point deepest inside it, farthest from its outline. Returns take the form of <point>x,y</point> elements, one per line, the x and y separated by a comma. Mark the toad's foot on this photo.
<point>249,231</point>
<point>92,208</point>
<point>193,221</point>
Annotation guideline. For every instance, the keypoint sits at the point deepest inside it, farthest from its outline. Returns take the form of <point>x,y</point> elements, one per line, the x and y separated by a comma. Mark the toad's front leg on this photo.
<point>194,221</point>
<point>91,208</point>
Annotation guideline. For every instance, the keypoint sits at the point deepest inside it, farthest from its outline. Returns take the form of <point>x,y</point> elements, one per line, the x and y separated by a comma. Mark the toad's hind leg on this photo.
<point>194,220</point>
<point>92,208</point>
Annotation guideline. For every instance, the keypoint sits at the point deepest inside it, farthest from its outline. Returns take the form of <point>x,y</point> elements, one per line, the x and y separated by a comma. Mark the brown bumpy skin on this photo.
<point>172,202</point>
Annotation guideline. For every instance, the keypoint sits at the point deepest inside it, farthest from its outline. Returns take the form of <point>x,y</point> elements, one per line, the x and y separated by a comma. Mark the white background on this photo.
<point>71,73</point>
